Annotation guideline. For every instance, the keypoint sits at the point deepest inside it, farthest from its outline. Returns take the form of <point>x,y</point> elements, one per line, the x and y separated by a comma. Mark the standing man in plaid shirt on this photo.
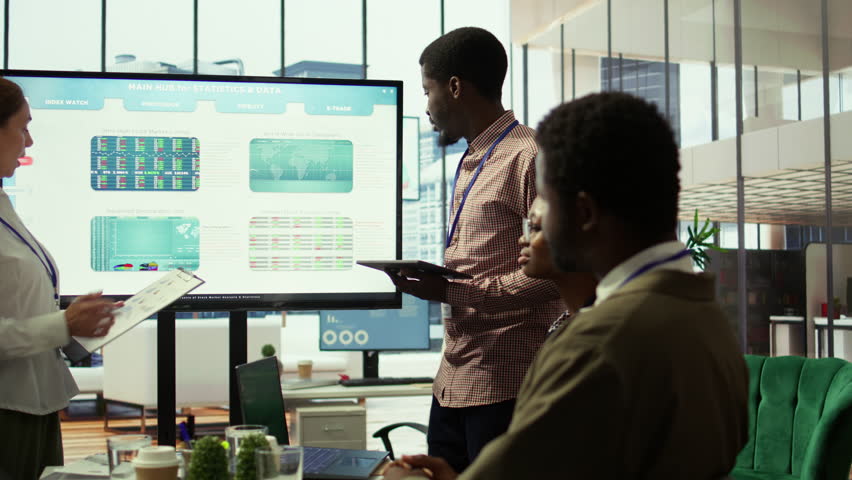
<point>495,322</point>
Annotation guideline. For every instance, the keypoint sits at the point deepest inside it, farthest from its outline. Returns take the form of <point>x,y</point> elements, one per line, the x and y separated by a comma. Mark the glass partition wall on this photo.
<point>754,91</point>
<point>837,83</point>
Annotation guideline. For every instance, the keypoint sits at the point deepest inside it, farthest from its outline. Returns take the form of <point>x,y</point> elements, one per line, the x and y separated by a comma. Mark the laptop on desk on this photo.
<point>261,403</point>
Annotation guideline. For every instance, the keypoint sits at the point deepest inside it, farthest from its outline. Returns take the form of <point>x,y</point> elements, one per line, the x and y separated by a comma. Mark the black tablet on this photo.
<point>416,265</point>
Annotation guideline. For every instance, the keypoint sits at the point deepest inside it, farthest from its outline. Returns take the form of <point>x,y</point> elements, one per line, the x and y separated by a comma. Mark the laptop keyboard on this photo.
<point>318,459</point>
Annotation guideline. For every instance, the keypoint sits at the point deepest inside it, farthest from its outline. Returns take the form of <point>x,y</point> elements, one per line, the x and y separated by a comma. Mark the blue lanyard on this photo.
<point>648,266</point>
<point>43,258</point>
<point>473,179</point>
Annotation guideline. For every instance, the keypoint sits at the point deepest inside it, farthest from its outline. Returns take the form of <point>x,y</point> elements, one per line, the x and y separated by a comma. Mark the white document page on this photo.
<point>149,301</point>
<point>85,468</point>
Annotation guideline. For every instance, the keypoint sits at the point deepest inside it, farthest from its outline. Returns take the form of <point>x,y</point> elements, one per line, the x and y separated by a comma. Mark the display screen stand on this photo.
<point>371,364</point>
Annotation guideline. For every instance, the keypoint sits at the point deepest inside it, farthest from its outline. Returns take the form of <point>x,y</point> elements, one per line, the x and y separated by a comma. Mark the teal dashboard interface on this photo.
<point>145,163</point>
<point>261,188</point>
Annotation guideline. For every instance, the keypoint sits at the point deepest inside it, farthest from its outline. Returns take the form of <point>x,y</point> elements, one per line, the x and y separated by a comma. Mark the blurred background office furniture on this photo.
<point>800,419</point>
<point>786,335</point>
<point>842,337</point>
<point>201,362</point>
<point>326,365</point>
<point>816,285</point>
<point>331,427</point>
<point>776,289</point>
<point>360,393</point>
<point>336,426</point>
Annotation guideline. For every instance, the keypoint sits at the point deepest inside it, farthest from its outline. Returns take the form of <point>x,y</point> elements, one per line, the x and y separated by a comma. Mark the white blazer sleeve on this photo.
<point>25,337</point>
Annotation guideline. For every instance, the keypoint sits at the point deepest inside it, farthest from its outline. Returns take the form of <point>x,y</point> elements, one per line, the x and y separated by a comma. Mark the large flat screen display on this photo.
<point>267,188</point>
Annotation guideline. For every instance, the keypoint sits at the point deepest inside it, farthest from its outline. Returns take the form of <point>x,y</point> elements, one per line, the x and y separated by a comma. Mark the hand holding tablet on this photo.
<point>391,266</point>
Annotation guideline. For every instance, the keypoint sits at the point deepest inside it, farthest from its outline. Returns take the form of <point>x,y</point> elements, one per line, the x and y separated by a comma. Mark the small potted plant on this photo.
<point>246,466</point>
<point>209,460</point>
<point>268,350</point>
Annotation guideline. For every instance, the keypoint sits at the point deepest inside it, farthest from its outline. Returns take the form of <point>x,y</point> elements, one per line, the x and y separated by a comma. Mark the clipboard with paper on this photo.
<point>150,300</point>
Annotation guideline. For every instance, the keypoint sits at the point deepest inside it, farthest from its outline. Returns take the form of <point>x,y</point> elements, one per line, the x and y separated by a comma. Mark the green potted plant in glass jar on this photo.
<point>246,466</point>
<point>209,460</point>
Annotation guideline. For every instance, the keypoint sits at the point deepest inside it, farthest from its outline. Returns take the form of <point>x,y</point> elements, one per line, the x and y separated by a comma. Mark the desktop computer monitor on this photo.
<point>267,188</point>
<point>406,328</point>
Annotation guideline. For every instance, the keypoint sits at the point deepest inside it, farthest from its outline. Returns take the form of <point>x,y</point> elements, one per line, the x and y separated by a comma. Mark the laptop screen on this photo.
<point>260,397</point>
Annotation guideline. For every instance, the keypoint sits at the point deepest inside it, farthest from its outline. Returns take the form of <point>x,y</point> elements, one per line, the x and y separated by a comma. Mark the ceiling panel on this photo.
<point>787,197</point>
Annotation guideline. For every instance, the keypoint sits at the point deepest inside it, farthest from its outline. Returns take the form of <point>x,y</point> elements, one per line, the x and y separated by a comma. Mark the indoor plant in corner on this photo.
<point>268,350</point>
<point>698,243</point>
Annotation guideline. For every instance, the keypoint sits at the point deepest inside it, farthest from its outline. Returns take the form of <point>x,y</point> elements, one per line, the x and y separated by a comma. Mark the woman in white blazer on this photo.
<point>35,383</point>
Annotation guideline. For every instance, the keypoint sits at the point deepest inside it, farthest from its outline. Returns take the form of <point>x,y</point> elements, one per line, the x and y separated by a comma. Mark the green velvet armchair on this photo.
<point>800,420</point>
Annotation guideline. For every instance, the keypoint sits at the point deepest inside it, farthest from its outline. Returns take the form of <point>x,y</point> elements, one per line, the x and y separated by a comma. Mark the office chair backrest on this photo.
<point>261,401</point>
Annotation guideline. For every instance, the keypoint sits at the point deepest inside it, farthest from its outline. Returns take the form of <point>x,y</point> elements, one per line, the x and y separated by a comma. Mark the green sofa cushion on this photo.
<point>800,419</point>
<point>779,385</point>
<point>830,451</point>
<point>745,460</point>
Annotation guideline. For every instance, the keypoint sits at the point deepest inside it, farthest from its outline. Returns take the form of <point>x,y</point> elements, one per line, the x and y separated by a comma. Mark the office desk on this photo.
<point>339,391</point>
<point>787,335</point>
<point>842,337</point>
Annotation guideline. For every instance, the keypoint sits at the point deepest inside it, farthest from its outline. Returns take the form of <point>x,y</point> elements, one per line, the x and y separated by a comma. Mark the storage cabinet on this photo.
<point>333,427</point>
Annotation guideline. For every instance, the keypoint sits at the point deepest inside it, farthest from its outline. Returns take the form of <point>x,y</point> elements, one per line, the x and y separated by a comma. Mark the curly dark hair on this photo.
<point>11,100</point>
<point>470,53</point>
<point>621,151</point>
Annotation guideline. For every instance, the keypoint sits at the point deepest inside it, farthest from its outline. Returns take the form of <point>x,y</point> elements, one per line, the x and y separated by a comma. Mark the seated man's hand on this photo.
<point>428,286</point>
<point>421,465</point>
<point>400,470</point>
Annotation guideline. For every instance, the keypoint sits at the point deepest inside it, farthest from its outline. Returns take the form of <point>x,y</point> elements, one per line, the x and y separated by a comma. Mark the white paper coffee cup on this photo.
<point>156,463</point>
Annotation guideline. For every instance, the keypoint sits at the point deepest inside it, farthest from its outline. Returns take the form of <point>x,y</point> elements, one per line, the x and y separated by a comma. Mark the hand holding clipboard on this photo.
<point>150,300</point>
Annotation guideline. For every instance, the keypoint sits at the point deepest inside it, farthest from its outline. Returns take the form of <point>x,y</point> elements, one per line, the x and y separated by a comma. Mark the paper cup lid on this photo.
<point>156,457</point>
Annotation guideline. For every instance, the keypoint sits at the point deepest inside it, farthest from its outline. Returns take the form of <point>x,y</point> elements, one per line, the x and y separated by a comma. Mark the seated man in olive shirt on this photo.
<point>649,382</point>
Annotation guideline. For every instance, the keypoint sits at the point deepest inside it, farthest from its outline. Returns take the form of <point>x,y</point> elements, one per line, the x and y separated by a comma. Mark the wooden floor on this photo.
<point>81,438</point>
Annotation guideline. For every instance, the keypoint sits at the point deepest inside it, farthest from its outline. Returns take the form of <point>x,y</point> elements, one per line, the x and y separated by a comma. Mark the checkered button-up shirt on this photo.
<point>500,317</point>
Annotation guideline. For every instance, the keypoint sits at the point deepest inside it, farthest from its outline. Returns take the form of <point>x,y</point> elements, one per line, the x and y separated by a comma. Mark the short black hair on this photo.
<point>620,150</point>
<point>470,53</point>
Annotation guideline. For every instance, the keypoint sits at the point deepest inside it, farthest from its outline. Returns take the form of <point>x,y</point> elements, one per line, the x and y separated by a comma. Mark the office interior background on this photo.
<point>758,92</point>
